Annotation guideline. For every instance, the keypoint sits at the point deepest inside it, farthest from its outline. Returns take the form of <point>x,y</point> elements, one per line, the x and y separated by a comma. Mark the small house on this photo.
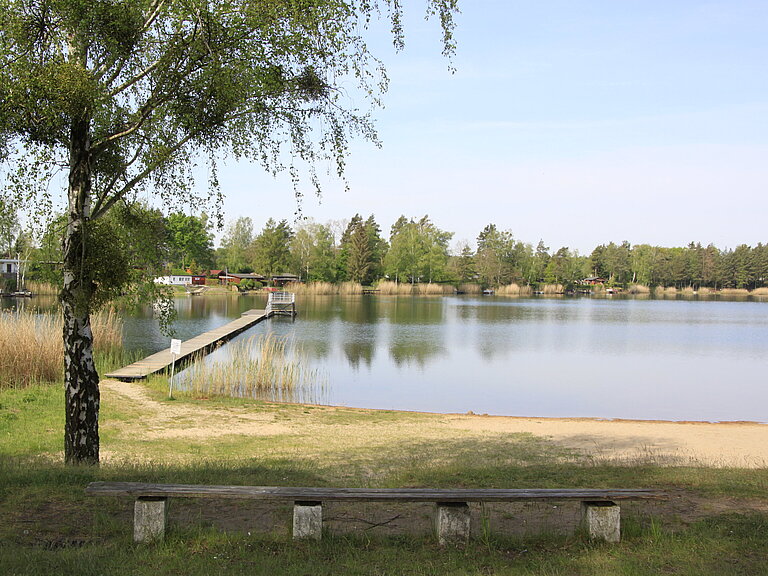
<point>592,281</point>
<point>9,267</point>
<point>237,278</point>
<point>175,280</point>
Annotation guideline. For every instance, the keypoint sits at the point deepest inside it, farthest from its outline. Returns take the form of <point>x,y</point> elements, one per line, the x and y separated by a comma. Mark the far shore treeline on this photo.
<point>414,251</point>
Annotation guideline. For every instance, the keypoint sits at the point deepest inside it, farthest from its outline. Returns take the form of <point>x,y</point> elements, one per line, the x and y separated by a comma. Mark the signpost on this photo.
<point>175,353</point>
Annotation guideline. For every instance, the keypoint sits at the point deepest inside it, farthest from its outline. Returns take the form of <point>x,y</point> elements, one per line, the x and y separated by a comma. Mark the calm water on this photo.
<point>606,358</point>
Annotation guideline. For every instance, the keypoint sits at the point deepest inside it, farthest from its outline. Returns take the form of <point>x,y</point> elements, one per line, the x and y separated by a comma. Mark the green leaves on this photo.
<point>418,251</point>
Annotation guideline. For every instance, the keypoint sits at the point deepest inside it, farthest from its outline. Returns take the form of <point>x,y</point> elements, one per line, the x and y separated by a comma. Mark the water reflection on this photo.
<point>416,345</point>
<point>359,310</point>
<point>358,341</point>
<point>43,303</point>
<point>412,310</point>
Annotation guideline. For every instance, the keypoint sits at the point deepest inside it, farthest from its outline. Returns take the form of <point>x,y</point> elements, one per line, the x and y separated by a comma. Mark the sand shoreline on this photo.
<point>719,444</point>
<point>739,444</point>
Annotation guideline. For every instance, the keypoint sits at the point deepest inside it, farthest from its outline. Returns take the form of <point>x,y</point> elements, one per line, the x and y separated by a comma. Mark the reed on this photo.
<point>704,291</point>
<point>350,288</point>
<point>759,292</point>
<point>514,290</point>
<point>265,368</point>
<point>508,290</point>
<point>552,289</point>
<point>312,288</point>
<point>38,287</point>
<point>734,292</point>
<point>470,288</point>
<point>662,292</point>
<point>688,291</point>
<point>638,289</point>
<point>430,289</point>
<point>32,349</point>
<point>388,288</point>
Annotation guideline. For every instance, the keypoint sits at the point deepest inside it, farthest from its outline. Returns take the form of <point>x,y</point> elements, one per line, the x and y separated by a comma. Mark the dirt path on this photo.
<point>180,420</point>
<point>726,444</point>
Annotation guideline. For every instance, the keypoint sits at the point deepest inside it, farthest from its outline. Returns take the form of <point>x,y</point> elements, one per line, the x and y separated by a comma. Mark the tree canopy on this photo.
<point>127,95</point>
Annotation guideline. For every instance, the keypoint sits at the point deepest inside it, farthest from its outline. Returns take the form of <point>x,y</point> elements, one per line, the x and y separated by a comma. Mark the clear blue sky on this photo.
<point>578,123</point>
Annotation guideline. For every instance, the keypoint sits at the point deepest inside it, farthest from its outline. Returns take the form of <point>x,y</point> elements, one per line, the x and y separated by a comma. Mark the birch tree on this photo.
<point>123,97</point>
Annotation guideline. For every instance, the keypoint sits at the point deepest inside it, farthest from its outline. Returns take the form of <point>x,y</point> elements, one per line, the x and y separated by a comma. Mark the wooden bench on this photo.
<point>600,511</point>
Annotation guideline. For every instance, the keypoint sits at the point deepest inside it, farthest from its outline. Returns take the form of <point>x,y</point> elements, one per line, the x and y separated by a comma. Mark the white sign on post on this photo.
<point>175,351</point>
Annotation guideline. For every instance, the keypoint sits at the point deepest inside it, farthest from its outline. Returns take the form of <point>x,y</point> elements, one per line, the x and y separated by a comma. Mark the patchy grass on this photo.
<point>715,523</point>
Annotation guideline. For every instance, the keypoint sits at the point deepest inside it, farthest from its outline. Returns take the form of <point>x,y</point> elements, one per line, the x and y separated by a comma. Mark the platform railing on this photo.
<point>281,303</point>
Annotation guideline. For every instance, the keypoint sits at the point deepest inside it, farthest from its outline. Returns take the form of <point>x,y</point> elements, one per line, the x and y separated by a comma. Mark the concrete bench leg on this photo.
<point>452,523</point>
<point>602,520</point>
<point>307,520</point>
<point>149,516</point>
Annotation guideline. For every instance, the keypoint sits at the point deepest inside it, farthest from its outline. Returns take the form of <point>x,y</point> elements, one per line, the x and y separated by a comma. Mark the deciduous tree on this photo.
<point>235,244</point>
<point>128,94</point>
<point>190,240</point>
<point>9,228</point>
<point>272,249</point>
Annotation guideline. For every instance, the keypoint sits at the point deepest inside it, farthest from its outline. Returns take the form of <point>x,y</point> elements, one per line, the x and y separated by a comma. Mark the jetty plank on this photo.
<point>162,360</point>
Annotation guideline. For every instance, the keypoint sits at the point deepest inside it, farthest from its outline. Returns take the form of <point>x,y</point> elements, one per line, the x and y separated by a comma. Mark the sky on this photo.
<point>575,123</point>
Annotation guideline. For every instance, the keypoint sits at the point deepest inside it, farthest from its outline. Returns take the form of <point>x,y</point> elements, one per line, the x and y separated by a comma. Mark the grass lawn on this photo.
<point>715,523</point>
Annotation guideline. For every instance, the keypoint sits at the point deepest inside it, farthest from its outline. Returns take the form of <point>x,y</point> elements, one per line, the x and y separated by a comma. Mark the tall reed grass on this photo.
<point>37,287</point>
<point>469,288</point>
<point>32,349</point>
<point>734,292</point>
<point>350,288</point>
<point>638,289</point>
<point>759,292</point>
<point>388,288</point>
<point>514,290</point>
<point>661,291</point>
<point>430,289</point>
<point>312,288</point>
<point>552,289</point>
<point>265,368</point>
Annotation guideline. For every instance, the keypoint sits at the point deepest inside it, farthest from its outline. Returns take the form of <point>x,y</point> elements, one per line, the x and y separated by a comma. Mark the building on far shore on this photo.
<point>237,278</point>
<point>175,280</point>
<point>592,281</point>
<point>9,267</point>
<point>283,279</point>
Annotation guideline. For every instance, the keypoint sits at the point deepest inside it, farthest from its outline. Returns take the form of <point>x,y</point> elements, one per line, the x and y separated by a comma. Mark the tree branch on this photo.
<point>107,203</point>
<point>153,11</point>
<point>145,112</point>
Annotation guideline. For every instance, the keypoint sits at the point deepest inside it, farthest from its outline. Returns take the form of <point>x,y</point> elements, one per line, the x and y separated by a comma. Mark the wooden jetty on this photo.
<point>283,303</point>
<point>201,344</point>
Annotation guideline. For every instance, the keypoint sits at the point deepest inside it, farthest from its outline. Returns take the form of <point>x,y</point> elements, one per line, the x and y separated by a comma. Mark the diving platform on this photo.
<point>281,303</point>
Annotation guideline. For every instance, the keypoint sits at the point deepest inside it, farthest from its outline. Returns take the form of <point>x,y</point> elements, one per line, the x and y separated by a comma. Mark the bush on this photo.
<point>249,284</point>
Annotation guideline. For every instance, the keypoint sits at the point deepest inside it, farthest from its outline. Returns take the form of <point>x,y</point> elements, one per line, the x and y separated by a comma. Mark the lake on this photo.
<point>546,357</point>
<point>562,357</point>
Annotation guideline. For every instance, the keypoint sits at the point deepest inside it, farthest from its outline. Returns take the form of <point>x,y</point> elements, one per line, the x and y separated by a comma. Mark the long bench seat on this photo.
<point>600,511</point>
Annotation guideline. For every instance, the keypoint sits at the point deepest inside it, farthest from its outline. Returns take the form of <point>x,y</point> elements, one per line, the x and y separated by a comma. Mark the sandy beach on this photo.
<point>740,444</point>
<point>736,444</point>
